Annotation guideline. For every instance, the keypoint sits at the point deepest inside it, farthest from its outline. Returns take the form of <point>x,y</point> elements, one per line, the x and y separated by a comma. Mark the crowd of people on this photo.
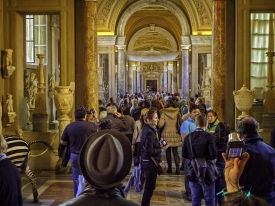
<point>139,125</point>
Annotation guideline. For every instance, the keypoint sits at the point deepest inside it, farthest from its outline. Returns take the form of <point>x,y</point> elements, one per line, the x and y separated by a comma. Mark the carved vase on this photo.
<point>63,100</point>
<point>243,99</point>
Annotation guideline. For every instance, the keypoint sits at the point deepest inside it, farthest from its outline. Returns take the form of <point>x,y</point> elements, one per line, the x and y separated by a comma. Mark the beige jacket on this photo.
<point>168,120</point>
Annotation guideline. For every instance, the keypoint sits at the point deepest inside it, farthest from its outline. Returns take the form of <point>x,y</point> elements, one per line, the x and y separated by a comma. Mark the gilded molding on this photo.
<point>202,14</point>
<point>104,13</point>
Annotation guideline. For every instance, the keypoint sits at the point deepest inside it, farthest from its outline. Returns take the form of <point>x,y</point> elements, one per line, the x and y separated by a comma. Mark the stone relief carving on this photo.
<point>202,14</point>
<point>102,17</point>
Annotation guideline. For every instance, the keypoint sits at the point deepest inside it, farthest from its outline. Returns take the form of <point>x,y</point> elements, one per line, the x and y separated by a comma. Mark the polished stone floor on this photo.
<point>54,189</point>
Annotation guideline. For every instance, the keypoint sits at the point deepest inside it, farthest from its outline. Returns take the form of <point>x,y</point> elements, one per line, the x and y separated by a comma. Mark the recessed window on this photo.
<point>36,38</point>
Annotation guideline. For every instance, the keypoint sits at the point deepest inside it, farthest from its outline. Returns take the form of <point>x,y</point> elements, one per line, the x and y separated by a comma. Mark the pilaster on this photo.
<point>218,56</point>
<point>90,55</point>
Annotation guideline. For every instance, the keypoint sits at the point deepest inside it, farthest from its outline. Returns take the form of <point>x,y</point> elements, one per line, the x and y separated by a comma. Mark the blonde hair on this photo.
<point>3,144</point>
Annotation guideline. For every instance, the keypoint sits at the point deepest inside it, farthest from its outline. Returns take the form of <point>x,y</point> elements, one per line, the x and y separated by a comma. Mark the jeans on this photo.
<point>219,185</point>
<point>186,181</point>
<point>74,159</point>
<point>150,170</point>
<point>199,190</point>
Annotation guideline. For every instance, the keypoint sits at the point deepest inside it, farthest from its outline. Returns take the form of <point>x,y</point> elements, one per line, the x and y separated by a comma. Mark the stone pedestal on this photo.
<point>268,120</point>
<point>40,122</point>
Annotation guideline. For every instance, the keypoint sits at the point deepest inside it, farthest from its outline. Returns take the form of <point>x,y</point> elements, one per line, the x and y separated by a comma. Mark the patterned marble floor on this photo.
<point>54,189</point>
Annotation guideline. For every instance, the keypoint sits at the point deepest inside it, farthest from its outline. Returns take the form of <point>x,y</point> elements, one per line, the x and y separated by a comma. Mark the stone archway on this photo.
<point>156,29</point>
<point>185,26</point>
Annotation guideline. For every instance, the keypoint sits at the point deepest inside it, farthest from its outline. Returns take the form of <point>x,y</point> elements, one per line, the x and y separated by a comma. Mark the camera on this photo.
<point>91,111</point>
<point>163,142</point>
<point>235,149</point>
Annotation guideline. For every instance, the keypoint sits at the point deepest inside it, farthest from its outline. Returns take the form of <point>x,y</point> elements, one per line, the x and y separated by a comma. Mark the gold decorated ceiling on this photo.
<point>198,13</point>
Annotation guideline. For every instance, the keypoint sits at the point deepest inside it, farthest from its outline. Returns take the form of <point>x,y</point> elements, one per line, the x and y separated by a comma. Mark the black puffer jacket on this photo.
<point>150,143</point>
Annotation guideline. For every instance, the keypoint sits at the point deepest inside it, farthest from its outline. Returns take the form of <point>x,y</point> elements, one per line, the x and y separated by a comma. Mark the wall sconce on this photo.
<point>8,69</point>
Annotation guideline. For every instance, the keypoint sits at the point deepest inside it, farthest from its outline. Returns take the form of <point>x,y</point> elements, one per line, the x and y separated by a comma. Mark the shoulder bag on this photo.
<point>161,167</point>
<point>202,170</point>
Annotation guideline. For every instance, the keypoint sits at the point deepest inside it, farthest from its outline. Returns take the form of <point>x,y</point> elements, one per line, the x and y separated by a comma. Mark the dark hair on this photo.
<point>193,106</point>
<point>192,99</point>
<point>213,112</point>
<point>243,200</point>
<point>150,113</point>
<point>105,124</point>
<point>141,103</point>
<point>201,120</point>
<point>221,133</point>
<point>154,103</point>
<point>170,103</point>
<point>80,112</point>
<point>247,126</point>
<point>126,110</point>
<point>100,102</point>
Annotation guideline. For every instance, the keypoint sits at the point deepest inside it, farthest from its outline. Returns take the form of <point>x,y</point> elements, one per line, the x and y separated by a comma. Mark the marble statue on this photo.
<point>8,57</point>
<point>9,103</point>
<point>27,79</point>
<point>19,132</point>
<point>28,114</point>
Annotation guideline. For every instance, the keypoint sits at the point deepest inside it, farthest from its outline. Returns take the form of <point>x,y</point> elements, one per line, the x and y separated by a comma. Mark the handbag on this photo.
<point>202,170</point>
<point>161,167</point>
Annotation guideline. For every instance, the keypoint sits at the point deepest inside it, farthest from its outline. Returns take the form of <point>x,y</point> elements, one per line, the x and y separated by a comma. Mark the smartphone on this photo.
<point>164,143</point>
<point>235,149</point>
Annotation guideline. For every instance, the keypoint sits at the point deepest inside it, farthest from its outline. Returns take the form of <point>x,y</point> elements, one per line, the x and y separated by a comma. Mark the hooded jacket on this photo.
<point>168,120</point>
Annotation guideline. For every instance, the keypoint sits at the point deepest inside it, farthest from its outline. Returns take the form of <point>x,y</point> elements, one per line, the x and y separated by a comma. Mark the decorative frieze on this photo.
<point>104,13</point>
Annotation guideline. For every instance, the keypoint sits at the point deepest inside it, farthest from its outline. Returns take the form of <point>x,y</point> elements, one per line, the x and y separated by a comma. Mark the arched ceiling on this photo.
<point>176,17</point>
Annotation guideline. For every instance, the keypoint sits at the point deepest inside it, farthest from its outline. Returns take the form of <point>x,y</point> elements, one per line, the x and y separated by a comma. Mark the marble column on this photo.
<point>100,83</point>
<point>138,79</point>
<point>175,86</point>
<point>218,58</point>
<point>121,69</point>
<point>178,78</point>
<point>134,79</point>
<point>161,81</point>
<point>90,55</point>
<point>165,71</point>
<point>185,72</point>
<point>130,78</point>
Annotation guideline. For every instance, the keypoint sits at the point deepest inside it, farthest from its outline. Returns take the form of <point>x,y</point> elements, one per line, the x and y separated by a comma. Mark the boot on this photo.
<point>177,162</point>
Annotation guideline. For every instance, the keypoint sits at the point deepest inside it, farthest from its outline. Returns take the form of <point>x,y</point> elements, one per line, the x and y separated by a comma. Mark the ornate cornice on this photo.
<point>202,40</point>
<point>106,40</point>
